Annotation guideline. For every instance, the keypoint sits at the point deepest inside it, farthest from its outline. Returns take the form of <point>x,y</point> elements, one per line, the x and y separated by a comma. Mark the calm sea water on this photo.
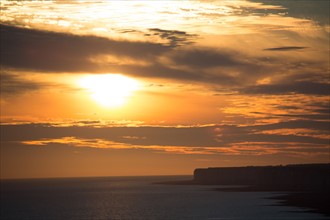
<point>135,198</point>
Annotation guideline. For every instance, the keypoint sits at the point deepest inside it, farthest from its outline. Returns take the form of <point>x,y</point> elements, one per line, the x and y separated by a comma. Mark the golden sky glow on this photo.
<point>167,85</point>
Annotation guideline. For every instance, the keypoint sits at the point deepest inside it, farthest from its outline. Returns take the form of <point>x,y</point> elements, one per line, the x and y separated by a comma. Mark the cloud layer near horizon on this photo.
<point>295,134</point>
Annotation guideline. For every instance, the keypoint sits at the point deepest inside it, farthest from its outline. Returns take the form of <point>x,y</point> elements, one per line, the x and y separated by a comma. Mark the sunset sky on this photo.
<point>117,88</point>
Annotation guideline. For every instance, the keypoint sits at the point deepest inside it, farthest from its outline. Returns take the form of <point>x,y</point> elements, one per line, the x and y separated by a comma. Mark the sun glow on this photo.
<point>110,90</point>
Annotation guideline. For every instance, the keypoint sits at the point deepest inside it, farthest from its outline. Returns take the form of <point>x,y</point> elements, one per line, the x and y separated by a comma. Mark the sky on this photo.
<point>126,88</point>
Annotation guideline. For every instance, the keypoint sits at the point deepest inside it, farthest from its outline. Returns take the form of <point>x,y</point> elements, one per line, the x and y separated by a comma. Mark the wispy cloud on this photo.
<point>220,139</point>
<point>244,148</point>
<point>231,68</point>
<point>309,88</point>
<point>16,84</point>
<point>286,48</point>
<point>106,144</point>
<point>61,52</point>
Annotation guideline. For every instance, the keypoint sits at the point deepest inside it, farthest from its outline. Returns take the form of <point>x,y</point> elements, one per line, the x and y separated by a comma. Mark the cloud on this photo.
<point>147,135</point>
<point>229,135</point>
<point>174,37</point>
<point>209,139</point>
<point>241,149</point>
<point>310,88</point>
<point>295,124</point>
<point>313,116</point>
<point>59,52</point>
<point>106,144</point>
<point>287,48</point>
<point>315,10</point>
<point>217,68</point>
<point>14,84</point>
<point>44,51</point>
<point>311,111</point>
<point>207,58</point>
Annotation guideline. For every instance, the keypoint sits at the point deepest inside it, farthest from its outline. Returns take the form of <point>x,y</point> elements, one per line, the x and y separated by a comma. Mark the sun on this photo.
<point>109,90</point>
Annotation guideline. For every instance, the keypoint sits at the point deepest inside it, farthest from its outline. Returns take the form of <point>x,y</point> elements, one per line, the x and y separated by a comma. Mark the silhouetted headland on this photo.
<point>289,177</point>
<point>305,185</point>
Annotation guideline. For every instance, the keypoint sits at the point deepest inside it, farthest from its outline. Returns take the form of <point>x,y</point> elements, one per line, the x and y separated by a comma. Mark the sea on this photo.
<point>137,198</point>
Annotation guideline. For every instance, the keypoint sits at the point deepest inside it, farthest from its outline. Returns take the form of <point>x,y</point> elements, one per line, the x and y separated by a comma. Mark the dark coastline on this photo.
<point>313,201</point>
<point>316,201</point>
<point>311,193</point>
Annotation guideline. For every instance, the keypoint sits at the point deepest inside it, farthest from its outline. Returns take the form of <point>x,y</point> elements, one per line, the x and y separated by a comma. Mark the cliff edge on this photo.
<point>302,176</point>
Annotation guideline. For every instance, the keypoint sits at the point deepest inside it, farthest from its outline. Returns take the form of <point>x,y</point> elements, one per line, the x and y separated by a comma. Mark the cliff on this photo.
<point>304,176</point>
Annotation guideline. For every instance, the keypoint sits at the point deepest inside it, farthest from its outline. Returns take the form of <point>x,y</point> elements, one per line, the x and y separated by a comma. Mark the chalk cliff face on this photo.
<point>302,176</point>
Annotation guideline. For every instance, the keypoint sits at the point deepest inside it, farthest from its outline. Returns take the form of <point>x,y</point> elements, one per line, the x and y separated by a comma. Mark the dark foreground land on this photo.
<point>317,201</point>
<point>306,185</point>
